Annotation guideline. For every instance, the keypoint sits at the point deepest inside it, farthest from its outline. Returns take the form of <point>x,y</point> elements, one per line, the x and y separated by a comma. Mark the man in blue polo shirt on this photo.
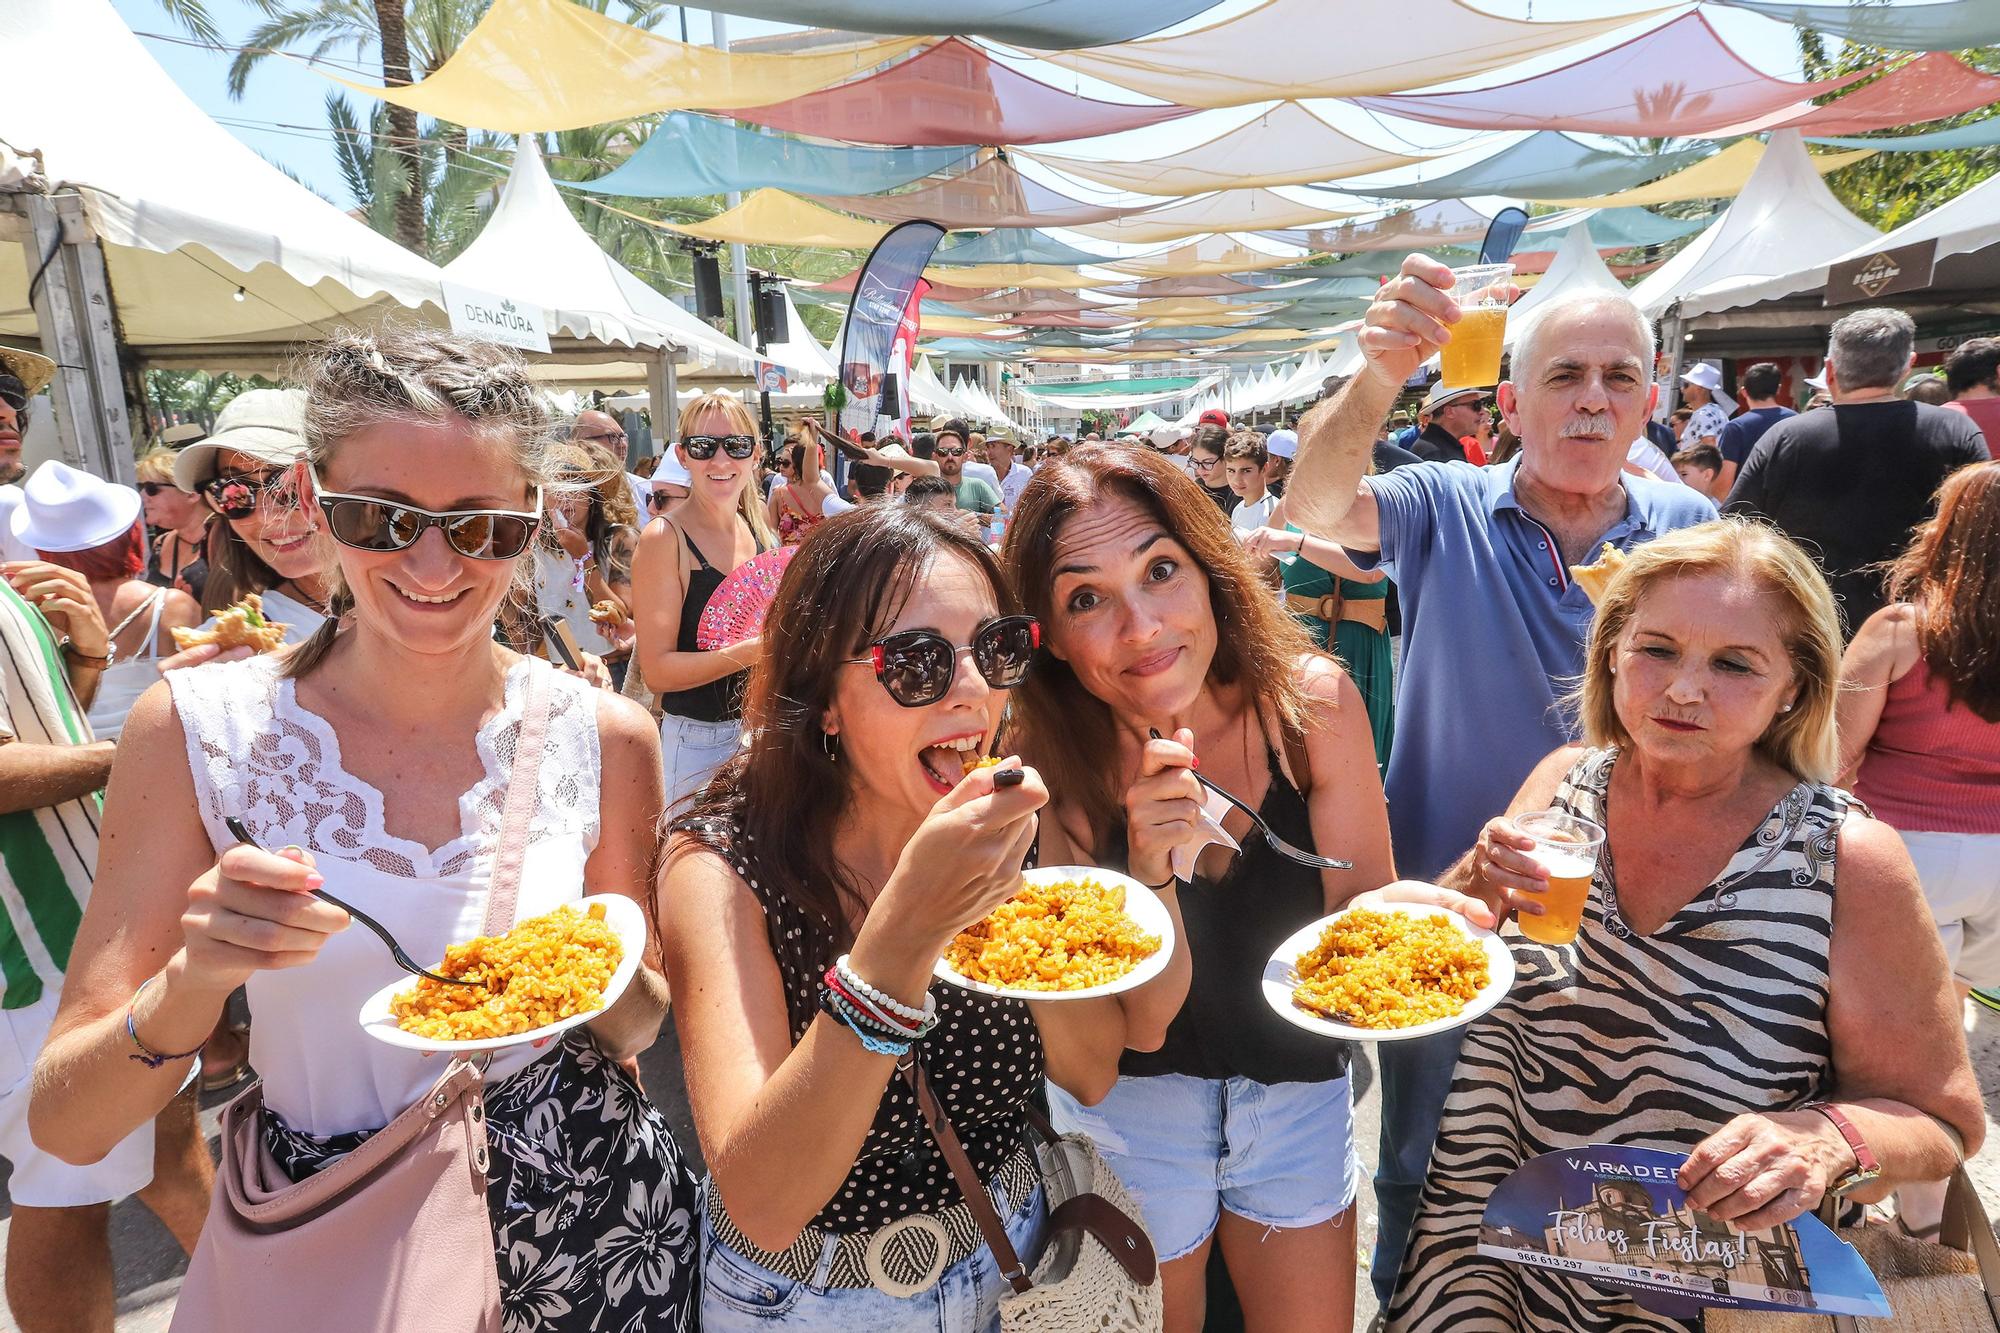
<point>1493,625</point>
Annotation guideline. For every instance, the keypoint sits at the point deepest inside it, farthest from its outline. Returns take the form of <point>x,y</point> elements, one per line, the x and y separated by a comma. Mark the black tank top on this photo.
<point>720,700</point>
<point>1234,924</point>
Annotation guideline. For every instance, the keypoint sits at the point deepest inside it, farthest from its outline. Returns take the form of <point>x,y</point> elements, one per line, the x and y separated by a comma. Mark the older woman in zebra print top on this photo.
<point>1755,946</point>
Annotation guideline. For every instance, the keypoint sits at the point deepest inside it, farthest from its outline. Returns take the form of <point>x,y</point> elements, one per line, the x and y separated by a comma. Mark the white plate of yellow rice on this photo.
<point>1072,933</point>
<point>556,972</point>
<point>1404,970</point>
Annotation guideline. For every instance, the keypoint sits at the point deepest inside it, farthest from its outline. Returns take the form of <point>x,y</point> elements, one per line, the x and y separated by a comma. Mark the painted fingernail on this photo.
<point>315,881</point>
<point>292,851</point>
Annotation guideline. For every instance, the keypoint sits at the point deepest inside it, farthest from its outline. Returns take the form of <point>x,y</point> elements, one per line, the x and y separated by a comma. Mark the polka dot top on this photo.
<point>984,1060</point>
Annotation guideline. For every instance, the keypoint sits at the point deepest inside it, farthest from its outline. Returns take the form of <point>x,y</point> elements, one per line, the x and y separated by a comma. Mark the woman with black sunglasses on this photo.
<point>683,557</point>
<point>811,890</point>
<point>385,759</point>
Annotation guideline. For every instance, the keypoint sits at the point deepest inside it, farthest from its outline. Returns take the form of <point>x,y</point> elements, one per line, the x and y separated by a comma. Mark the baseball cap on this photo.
<point>1215,416</point>
<point>1283,444</point>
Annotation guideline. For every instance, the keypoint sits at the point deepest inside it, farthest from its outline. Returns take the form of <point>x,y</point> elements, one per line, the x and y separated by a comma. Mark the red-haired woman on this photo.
<point>1155,622</point>
<point>81,522</point>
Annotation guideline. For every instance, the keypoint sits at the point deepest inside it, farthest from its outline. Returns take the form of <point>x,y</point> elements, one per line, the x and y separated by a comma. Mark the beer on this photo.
<point>1471,360</point>
<point>1566,848</point>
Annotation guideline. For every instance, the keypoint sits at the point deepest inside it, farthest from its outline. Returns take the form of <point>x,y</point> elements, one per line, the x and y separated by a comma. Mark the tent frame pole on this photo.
<point>1673,333</point>
<point>73,312</point>
<point>662,397</point>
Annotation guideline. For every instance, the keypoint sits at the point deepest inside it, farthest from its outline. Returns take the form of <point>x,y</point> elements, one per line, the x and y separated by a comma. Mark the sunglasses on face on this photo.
<point>949,453</point>
<point>918,666</point>
<point>238,496</point>
<point>657,501</point>
<point>701,448</point>
<point>608,437</point>
<point>149,489</point>
<point>13,392</point>
<point>370,523</point>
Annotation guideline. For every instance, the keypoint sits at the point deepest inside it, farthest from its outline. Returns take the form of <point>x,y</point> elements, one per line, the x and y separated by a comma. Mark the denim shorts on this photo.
<point>1279,1154</point>
<point>738,1293</point>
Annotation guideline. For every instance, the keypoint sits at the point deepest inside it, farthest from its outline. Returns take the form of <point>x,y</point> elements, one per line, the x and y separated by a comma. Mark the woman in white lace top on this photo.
<point>376,758</point>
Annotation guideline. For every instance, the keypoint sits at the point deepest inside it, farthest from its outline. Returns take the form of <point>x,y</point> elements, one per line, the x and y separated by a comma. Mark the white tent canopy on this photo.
<point>1577,267</point>
<point>532,249</point>
<point>1784,217</point>
<point>187,214</point>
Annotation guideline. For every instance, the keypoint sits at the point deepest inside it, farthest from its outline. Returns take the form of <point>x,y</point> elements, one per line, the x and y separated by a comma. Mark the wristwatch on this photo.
<point>1866,1168</point>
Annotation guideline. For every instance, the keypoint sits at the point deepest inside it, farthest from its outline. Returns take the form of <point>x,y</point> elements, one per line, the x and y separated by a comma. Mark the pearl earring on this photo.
<point>1786,709</point>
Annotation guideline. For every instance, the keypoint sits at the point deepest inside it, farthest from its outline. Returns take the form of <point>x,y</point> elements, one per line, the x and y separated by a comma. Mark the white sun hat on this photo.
<point>65,509</point>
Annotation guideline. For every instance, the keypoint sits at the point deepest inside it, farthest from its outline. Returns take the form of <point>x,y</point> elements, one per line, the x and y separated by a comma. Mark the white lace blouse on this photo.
<point>258,754</point>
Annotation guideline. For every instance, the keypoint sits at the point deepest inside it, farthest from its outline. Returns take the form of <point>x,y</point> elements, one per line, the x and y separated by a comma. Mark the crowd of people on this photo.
<point>1381,646</point>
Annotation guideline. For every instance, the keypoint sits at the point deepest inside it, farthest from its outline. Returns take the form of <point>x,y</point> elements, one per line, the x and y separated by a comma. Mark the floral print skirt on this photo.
<point>595,1218</point>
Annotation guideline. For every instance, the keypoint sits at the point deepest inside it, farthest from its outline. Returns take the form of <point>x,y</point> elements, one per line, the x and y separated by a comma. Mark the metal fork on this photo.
<point>1276,843</point>
<point>403,960</point>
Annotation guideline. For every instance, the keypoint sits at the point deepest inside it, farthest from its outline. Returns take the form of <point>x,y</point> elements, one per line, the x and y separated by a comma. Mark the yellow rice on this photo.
<point>1386,970</point>
<point>1069,935</point>
<point>544,970</point>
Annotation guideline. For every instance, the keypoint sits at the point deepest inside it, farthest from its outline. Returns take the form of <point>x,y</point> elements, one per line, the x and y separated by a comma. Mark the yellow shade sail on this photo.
<point>1211,254</point>
<point>958,326</point>
<point>1287,145</point>
<point>996,277</point>
<point>1225,210</point>
<point>1244,337</point>
<point>1718,177</point>
<point>555,65</point>
<point>1285,49</point>
<point>772,217</point>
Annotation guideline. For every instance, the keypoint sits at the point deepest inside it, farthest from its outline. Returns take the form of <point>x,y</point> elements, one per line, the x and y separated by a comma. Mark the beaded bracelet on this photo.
<point>916,1030</point>
<point>873,1043</point>
<point>146,1055</point>
<point>882,998</point>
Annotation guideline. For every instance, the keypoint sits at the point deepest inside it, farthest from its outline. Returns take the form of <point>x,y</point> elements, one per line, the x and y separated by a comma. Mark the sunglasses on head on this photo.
<point>701,448</point>
<point>239,496</point>
<point>370,523</point>
<point>918,666</point>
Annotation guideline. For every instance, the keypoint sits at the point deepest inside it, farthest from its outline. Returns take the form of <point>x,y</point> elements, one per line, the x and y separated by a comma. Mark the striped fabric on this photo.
<point>1651,1041</point>
<point>47,856</point>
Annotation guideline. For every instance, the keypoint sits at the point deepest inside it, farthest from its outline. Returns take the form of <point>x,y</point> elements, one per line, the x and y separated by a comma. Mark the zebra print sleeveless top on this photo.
<point>1654,1041</point>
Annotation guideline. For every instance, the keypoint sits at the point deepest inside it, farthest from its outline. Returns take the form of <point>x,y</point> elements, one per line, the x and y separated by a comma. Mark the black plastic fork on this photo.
<point>403,960</point>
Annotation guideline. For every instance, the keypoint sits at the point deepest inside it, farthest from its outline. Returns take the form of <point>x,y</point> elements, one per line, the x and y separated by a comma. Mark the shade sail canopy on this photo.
<point>1545,163</point>
<point>1718,177</point>
<point>553,65</point>
<point>187,214</point>
<point>1287,145</point>
<point>1307,48</point>
<point>1615,228</point>
<point>1066,319</point>
<point>532,249</point>
<point>1150,288</point>
<point>688,154</point>
<point>1225,210</point>
<point>1448,222</point>
<point>1059,24</point>
<point>1979,134</point>
<point>1024,301</point>
<point>1013,245</point>
<point>954,327</point>
<point>952,93</point>
<point>992,194</point>
<point>1930,87</point>
<point>1680,78</point>
<point>995,277</point>
<point>1940,25</point>
<point>1211,254</point>
<point>1114,394</point>
<point>1784,218</point>
<point>968,349</point>
<point>1185,307</point>
<point>773,217</point>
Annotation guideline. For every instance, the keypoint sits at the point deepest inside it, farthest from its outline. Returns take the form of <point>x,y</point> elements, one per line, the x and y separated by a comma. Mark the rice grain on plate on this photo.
<point>1068,935</point>
<point>1386,970</point>
<point>544,970</point>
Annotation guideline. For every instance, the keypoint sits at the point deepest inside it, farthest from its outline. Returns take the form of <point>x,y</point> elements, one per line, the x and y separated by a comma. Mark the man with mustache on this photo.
<point>1493,626</point>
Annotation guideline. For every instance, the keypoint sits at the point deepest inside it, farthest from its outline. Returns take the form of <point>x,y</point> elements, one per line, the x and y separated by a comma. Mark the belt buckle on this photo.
<point>878,1249</point>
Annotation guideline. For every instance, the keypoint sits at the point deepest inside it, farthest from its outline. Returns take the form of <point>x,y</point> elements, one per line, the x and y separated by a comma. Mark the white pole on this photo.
<point>739,266</point>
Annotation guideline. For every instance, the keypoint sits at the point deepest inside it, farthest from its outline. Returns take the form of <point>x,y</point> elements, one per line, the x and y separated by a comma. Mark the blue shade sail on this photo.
<point>1949,25</point>
<point>1054,24</point>
<point>1614,228</point>
<point>694,155</point>
<point>1013,246</point>
<point>1979,134</point>
<point>1546,164</point>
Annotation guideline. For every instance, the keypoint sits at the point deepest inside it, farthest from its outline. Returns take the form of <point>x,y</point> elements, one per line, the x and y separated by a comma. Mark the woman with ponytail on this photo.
<point>683,557</point>
<point>381,758</point>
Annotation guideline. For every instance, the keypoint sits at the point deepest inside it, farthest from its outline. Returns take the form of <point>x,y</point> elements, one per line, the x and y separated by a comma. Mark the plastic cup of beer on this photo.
<point>1567,848</point>
<point>1471,360</point>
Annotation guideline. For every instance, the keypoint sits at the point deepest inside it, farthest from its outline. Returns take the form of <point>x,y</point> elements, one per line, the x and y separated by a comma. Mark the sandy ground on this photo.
<point>150,1265</point>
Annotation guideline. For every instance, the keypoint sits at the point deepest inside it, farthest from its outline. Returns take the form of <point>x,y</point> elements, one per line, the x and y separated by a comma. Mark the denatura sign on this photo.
<point>499,319</point>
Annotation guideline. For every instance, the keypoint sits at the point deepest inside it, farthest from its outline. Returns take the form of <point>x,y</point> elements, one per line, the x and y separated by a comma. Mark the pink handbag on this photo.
<point>396,1234</point>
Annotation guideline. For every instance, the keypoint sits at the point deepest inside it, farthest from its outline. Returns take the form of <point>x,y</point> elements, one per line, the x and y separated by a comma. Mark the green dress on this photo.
<point>1362,650</point>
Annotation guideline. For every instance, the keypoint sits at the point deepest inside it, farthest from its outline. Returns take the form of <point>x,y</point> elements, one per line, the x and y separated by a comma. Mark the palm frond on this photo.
<point>193,16</point>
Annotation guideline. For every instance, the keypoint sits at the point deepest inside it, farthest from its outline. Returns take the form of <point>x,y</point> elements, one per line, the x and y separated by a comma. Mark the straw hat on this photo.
<point>266,424</point>
<point>31,368</point>
<point>1439,396</point>
<point>185,433</point>
<point>64,509</point>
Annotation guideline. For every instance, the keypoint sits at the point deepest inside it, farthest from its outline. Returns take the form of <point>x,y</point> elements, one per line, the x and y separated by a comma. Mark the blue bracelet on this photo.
<point>146,1055</point>
<point>871,1043</point>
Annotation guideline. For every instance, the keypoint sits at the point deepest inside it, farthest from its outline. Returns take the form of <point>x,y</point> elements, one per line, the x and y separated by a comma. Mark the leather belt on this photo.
<point>1372,611</point>
<point>903,1258</point>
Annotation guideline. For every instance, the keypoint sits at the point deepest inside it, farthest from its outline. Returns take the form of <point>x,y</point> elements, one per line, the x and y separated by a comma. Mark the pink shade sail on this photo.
<point>1680,78</point>
<point>992,194</point>
<point>952,93</point>
<point>1928,88</point>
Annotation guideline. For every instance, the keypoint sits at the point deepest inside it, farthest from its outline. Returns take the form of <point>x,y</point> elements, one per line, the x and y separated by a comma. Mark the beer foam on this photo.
<point>1563,864</point>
